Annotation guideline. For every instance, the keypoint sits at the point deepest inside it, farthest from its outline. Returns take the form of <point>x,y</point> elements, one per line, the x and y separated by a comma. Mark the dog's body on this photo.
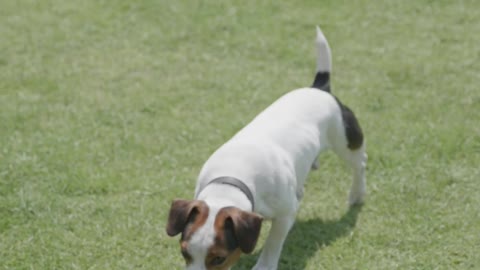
<point>262,171</point>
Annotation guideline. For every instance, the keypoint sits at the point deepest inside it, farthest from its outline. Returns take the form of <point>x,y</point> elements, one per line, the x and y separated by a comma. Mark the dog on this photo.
<point>260,174</point>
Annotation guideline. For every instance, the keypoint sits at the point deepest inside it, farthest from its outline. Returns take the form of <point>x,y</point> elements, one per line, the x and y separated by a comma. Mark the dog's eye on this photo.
<point>217,261</point>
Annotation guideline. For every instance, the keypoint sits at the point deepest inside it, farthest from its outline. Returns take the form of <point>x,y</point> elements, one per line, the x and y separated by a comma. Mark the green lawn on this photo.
<point>108,110</point>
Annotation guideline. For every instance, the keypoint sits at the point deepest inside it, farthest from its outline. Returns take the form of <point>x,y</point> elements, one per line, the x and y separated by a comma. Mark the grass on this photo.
<point>108,109</point>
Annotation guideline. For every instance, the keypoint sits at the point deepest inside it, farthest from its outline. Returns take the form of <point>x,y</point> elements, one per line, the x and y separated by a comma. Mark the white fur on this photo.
<point>324,58</point>
<point>273,156</point>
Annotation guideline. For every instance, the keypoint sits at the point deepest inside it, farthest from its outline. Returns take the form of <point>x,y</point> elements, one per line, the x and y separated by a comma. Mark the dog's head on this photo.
<point>212,238</point>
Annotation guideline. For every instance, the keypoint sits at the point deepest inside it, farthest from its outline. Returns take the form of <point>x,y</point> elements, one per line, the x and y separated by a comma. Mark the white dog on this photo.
<point>260,173</point>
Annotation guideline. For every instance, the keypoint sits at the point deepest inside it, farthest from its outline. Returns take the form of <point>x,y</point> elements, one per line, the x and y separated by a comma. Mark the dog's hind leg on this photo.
<point>347,136</point>
<point>352,151</point>
<point>358,162</point>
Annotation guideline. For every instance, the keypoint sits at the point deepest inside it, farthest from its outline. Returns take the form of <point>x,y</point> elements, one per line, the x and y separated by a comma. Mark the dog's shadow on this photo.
<point>306,238</point>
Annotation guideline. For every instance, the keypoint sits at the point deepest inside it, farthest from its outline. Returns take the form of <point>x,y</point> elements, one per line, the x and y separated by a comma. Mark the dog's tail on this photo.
<point>324,63</point>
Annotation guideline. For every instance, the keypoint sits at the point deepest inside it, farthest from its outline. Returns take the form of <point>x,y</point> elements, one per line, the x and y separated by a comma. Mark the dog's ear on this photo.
<point>246,226</point>
<point>183,212</point>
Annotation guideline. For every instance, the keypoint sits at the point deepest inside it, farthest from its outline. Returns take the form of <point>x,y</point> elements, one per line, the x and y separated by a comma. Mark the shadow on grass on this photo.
<point>306,238</point>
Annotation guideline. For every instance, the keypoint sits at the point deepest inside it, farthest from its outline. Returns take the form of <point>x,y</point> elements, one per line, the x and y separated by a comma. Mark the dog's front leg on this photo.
<point>273,245</point>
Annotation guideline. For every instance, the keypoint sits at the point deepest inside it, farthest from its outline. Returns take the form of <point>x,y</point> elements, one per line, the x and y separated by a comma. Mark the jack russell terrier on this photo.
<point>260,174</point>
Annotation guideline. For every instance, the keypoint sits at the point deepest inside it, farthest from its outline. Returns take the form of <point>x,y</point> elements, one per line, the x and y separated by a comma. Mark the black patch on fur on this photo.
<point>322,81</point>
<point>353,131</point>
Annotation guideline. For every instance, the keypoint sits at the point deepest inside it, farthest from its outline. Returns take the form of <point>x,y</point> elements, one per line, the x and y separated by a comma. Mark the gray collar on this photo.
<point>227,180</point>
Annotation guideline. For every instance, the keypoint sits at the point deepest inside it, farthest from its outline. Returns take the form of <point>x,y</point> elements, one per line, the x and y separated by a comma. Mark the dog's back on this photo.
<point>289,134</point>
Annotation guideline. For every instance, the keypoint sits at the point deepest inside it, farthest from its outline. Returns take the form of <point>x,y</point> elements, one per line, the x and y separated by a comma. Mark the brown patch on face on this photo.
<point>230,259</point>
<point>186,214</point>
<point>244,225</point>
<point>236,231</point>
<point>186,217</point>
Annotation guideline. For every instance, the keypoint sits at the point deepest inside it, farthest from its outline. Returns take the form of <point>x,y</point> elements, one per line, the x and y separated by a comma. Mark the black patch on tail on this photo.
<point>353,131</point>
<point>322,81</point>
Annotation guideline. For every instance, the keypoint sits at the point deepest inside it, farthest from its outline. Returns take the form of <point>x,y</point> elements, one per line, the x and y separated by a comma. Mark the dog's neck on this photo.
<point>221,195</point>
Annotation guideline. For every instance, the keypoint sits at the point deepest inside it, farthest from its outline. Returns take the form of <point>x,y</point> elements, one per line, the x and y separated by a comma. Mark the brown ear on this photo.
<point>246,226</point>
<point>181,213</point>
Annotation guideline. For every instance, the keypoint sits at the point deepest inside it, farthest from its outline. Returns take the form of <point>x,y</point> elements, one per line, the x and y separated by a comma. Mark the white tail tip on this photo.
<point>320,35</point>
<point>324,63</point>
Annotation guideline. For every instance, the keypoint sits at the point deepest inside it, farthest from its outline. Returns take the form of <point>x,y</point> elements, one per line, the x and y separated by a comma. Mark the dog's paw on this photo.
<point>356,198</point>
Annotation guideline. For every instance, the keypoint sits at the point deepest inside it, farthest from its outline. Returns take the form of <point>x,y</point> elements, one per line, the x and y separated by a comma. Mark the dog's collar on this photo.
<point>227,180</point>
